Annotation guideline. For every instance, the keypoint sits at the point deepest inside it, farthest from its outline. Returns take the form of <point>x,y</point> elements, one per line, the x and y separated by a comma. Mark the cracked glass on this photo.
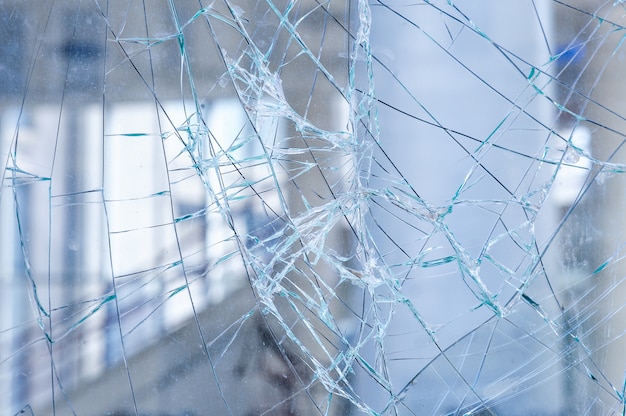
<point>306,207</point>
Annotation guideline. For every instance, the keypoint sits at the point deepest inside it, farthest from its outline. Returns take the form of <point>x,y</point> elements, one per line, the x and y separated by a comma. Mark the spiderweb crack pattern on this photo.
<point>309,207</point>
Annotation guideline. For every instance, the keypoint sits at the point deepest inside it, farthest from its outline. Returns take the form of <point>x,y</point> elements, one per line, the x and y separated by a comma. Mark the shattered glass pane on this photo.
<point>312,207</point>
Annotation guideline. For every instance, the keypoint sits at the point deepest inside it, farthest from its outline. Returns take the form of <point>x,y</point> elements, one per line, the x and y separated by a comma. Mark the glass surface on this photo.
<point>233,207</point>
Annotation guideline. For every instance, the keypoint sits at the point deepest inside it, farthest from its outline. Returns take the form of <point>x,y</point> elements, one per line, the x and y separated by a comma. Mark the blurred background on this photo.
<point>307,207</point>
